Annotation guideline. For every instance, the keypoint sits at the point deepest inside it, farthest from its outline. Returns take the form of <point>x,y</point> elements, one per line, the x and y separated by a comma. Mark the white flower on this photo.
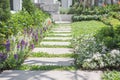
<point>115,52</point>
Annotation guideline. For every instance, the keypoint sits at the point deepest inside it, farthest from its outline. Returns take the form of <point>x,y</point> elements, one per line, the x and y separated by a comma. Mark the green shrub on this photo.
<point>111,75</point>
<point>109,36</point>
<point>28,6</point>
<point>4,10</point>
<point>85,46</point>
<point>85,17</point>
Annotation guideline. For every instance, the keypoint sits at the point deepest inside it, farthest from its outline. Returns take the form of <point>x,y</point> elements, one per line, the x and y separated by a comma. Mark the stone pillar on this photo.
<point>17,5</point>
<point>93,2</point>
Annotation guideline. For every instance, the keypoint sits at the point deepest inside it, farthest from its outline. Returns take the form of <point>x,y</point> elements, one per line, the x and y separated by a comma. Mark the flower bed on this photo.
<point>26,32</point>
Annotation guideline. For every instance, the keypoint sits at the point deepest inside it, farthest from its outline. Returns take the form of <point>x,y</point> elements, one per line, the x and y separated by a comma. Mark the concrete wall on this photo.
<point>17,5</point>
<point>66,3</point>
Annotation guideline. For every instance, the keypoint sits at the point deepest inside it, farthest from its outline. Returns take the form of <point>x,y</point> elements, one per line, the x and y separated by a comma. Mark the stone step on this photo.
<point>57,38</point>
<point>54,50</point>
<point>55,43</point>
<point>49,61</point>
<point>61,31</point>
<point>58,34</point>
<point>51,75</point>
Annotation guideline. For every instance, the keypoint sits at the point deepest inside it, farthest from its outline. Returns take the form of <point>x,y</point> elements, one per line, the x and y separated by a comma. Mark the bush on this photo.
<point>4,10</point>
<point>99,49</point>
<point>85,17</point>
<point>113,75</point>
<point>28,6</point>
<point>109,37</point>
<point>85,46</point>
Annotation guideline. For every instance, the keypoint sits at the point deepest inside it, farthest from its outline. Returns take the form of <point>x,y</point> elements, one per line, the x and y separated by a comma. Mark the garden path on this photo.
<point>57,42</point>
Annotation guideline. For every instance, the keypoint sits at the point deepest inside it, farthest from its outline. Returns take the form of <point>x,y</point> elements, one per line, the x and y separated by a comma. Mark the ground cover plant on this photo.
<point>111,75</point>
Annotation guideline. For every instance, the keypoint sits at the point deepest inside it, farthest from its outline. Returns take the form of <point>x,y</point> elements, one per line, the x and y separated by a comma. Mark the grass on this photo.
<point>41,54</point>
<point>111,75</point>
<point>57,40</point>
<point>86,27</point>
<point>36,67</point>
<point>55,46</point>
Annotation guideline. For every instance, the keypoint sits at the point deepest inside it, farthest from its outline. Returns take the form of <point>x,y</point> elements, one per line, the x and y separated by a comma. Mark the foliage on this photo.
<point>101,61</point>
<point>109,36</point>
<point>4,10</point>
<point>111,75</point>
<point>95,52</point>
<point>19,21</point>
<point>19,35</point>
<point>28,6</point>
<point>85,47</point>
<point>85,17</point>
<point>108,20</point>
<point>78,9</point>
<point>115,15</point>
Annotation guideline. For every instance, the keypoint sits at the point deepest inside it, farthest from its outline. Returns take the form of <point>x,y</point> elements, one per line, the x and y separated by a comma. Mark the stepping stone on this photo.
<point>61,31</point>
<point>55,43</point>
<point>51,75</point>
<point>59,34</point>
<point>57,38</point>
<point>54,50</point>
<point>50,61</point>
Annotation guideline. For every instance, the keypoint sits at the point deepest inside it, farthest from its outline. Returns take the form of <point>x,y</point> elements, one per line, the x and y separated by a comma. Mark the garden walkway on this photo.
<point>58,43</point>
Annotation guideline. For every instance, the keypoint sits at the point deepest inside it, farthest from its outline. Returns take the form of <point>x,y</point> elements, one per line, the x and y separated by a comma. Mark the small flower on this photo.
<point>7,45</point>
<point>18,46</point>
<point>36,38</point>
<point>16,56</point>
<point>22,42</point>
<point>3,57</point>
<point>22,45</point>
<point>32,46</point>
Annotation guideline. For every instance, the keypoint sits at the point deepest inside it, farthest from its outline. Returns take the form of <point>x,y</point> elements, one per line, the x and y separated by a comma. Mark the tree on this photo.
<point>28,6</point>
<point>4,10</point>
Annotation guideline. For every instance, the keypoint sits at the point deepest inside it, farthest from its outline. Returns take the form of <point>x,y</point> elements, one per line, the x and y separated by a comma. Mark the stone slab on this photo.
<point>55,43</point>
<point>58,34</point>
<point>57,38</point>
<point>50,75</point>
<point>61,31</point>
<point>50,61</point>
<point>54,50</point>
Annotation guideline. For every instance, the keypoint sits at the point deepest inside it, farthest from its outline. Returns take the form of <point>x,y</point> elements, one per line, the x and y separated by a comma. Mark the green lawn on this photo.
<point>86,27</point>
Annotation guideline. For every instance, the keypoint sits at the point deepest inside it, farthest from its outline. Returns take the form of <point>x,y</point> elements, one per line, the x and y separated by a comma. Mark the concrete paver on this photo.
<point>50,61</point>
<point>61,31</point>
<point>57,38</point>
<point>55,43</point>
<point>50,75</point>
<point>59,34</point>
<point>54,50</point>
